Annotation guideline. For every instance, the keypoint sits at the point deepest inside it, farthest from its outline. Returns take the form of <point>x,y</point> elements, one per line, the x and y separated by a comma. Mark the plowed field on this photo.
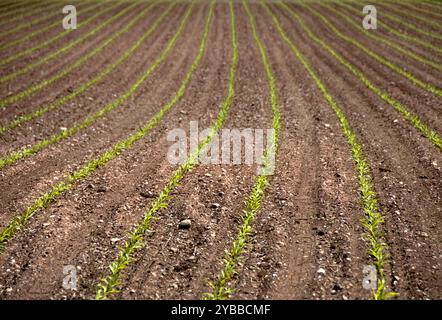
<point>85,180</point>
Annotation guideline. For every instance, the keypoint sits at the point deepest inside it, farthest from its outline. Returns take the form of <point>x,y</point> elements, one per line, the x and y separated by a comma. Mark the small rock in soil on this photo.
<point>185,224</point>
<point>174,250</point>
<point>147,194</point>
<point>337,287</point>
<point>321,271</point>
<point>215,205</point>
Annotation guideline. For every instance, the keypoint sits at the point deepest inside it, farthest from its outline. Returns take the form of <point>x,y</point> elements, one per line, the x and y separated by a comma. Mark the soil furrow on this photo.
<point>92,99</point>
<point>422,103</point>
<point>407,15</point>
<point>383,39</point>
<point>52,14</point>
<point>115,201</point>
<point>20,13</point>
<point>11,7</point>
<point>398,165</point>
<point>86,144</point>
<point>87,180</point>
<point>37,38</point>
<point>181,261</point>
<point>410,27</point>
<point>424,12</point>
<point>397,33</point>
<point>304,224</point>
<point>19,83</point>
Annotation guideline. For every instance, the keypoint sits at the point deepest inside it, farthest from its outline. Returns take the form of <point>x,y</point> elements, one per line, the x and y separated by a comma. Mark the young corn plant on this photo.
<point>222,288</point>
<point>38,86</point>
<point>372,219</point>
<point>85,86</point>
<point>14,156</point>
<point>108,286</point>
<point>414,120</point>
<point>402,35</point>
<point>20,221</point>
<point>399,70</point>
<point>383,40</point>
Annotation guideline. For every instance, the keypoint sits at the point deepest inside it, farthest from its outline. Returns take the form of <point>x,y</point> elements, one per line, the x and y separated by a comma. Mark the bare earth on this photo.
<point>310,217</point>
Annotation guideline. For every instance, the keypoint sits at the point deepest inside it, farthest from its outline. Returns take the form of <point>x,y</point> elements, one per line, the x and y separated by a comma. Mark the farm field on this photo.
<point>87,188</point>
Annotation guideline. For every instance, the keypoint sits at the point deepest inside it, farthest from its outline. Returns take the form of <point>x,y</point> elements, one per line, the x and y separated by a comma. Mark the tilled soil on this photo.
<point>426,53</point>
<point>308,241</point>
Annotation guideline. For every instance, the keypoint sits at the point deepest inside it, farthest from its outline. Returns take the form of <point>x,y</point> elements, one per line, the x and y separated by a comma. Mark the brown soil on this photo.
<point>310,216</point>
<point>422,51</point>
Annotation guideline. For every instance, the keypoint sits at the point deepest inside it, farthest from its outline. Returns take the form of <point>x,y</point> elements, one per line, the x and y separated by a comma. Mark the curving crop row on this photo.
<point>38,31</point>
<point>391,30</point>
<point>20,221</point>
<point>409,25</point>
<point>384,40</point>
<point>60,35</point>
<point>18,10</point>
<point>65,48</point>
<point>413,119</point>
<point>4,102</point>
<point>373,219</point>
<point>222,288</point>
<point>413,7</point>
<point>8,5</point>
<point>30,23</point>
<point>403,14</point>
<point>108,286</point>
<point>433,5</point>
<point>85,86</point>
<point>401,71</point>
<point>14,156</point>
<point>11,6</point>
